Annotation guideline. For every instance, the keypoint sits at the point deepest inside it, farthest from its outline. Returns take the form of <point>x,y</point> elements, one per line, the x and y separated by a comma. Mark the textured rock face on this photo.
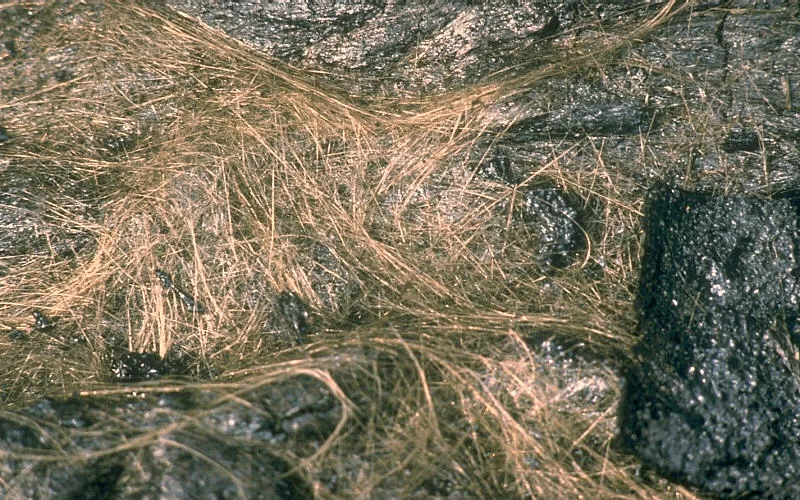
<point>715,399</point>
<point>28,225</point>
<point>393,46</point>
<point>558,218</point>
<point>705,99</point>
<point>732,69</point>
<point>148,446</point>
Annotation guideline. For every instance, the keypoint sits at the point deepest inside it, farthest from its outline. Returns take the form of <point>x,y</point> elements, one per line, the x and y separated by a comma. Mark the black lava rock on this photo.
<point>189,302</point>
<point>497,167</point>
<point>42,322</point>
<point>555,216</point>
<point>128,366</point>
<point>119,144</point>
<point>165,279</point>
<point>549,29</point>
<point>741,139</point>
<point>598,119</point>
<point>17,335</point>
<point>143,445</point>
<point>714,399</point>
<point>292,314</point>
<point>300,409</point>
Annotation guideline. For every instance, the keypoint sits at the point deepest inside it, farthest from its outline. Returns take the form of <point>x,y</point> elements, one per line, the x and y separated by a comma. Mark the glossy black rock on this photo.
<point>292,314</point>
<point>17,335</point>
<point>106,447</point>
<point>714,397</point>
<point>741,139</point>
<point>555,216</point>
<point>497,167</point>
<point>42,322</point>
<point>127,366</point>
<point>189,302</point>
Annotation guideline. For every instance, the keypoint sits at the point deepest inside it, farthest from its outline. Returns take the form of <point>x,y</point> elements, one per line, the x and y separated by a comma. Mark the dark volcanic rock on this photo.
<point>32,201</point>
<point>291,313</point>
<point>42,322</point>
<point>740,139</point>
<point>741,64</point>
<point>300,409</point>
<point>16,335</point>
<point>284,28</point>
<point>393,46</point>
<point>143,446</point>
<point>587,118</point>
<point>714,399</point>
<point>555,216</point>
<point>497,167</point>
<point>127,366</point>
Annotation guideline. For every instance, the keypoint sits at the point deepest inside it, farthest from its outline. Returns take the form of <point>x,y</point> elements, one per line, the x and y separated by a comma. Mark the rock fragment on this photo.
<point>128,366</point>
<point>555,216</point>
<point>497,167</point>
<point>741,139</point>
<point>292,314</point>
<point>42,322</point>
<point>713,399</point>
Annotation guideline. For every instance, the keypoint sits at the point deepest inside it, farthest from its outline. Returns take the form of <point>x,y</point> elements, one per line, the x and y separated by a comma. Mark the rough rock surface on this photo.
<point>731,65</point>
<point>714,400</point>
<point>705,99</point>
<point>187,444</point>
<point>393,46</point>
<point>292,313</point>
<point>558,218</point>
<point>29,222</point>
<point>128,366</point>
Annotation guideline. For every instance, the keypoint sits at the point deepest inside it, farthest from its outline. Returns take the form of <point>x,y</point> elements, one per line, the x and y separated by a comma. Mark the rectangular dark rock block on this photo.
<point>713,399</point>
